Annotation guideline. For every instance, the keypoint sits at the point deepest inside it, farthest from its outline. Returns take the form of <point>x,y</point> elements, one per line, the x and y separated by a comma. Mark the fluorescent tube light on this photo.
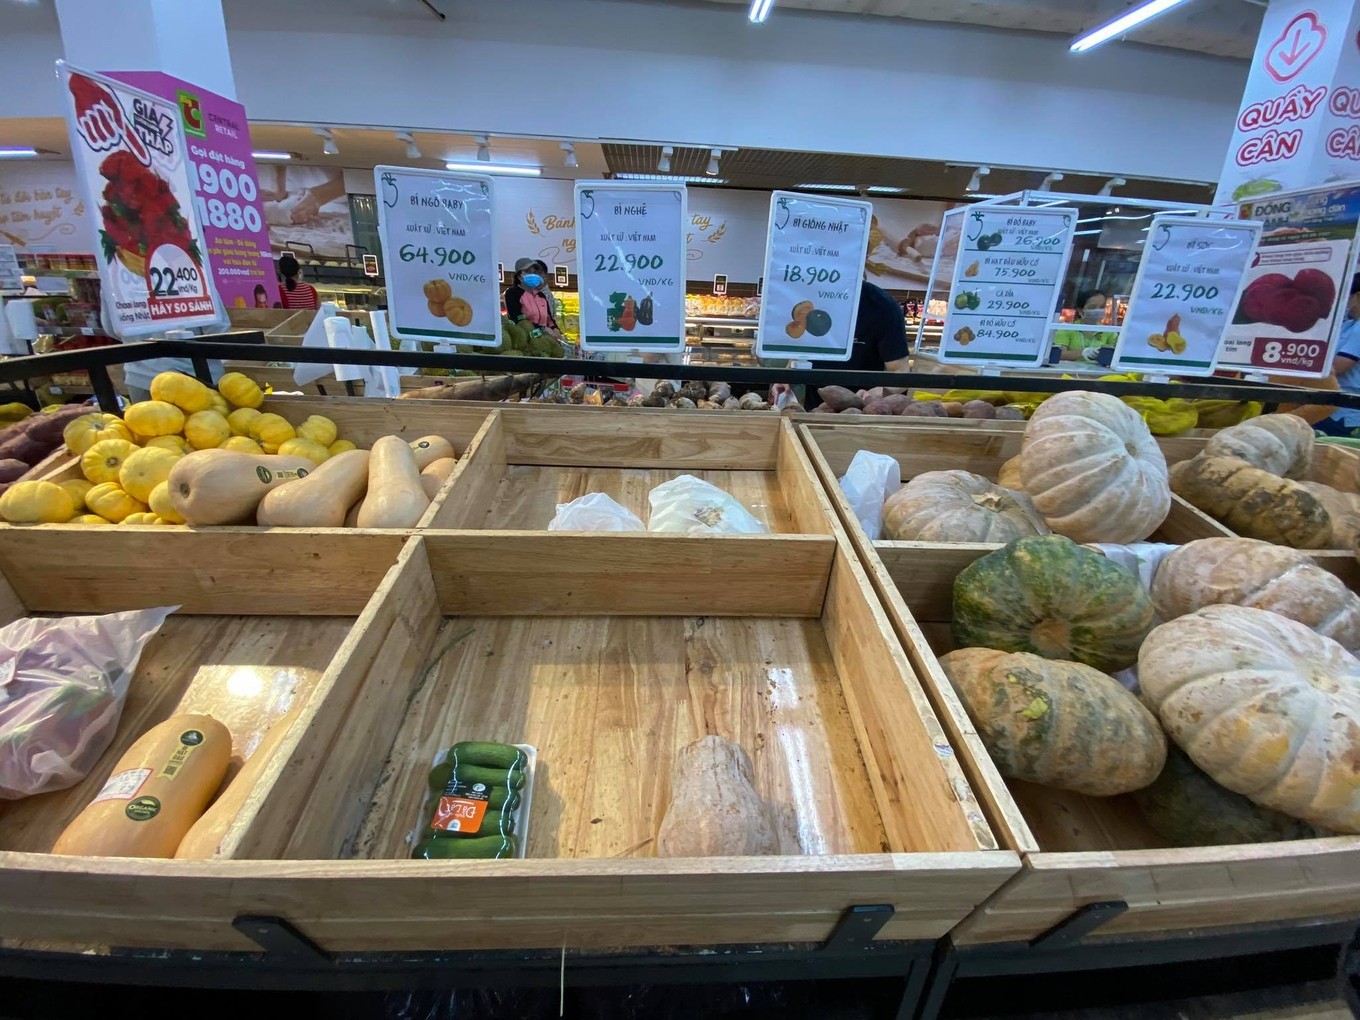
<point>760,10</point>
<point>826,187</point>
<point>1126,21</point>
<point>18,153</point>
<point>682,178</point>
<point>495,168</point>
<point>276,156</point>
<point>883,189</point>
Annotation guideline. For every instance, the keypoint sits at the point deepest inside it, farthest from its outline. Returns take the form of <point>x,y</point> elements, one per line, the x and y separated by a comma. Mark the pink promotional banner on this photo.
<point>226,188</point>
<point>131,161</point>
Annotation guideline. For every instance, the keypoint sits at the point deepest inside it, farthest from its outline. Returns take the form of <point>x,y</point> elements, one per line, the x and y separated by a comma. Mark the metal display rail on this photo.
<point>250,346</point>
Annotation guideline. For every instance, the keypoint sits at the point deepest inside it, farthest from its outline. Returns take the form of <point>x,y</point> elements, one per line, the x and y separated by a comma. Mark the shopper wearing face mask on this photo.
<point>528,301</point>
<point>1082,346</point>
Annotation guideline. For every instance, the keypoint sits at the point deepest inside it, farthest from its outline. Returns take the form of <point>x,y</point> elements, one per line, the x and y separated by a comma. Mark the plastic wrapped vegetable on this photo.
<point>62,687</point>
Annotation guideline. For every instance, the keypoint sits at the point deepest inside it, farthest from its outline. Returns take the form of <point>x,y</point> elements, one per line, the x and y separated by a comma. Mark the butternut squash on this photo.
<point>395,498</point>
<point>432,478</point>
<point>156,792</point>
<point>204,839</point>
<point>320,499</point>
<point>428,449</point>
<point>225,487</point>
<point>715,810</point>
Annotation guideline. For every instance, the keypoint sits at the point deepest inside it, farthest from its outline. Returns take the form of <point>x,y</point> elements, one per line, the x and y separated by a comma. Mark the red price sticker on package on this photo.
<point>1277,353</point>
<point>461,813</point>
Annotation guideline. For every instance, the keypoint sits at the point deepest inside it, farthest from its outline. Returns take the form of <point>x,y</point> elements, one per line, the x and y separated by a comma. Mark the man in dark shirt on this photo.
<point>880,335</point>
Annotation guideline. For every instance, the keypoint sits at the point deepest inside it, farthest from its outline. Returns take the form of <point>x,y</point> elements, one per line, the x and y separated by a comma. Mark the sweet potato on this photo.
<point>12,470</point>
<point>978,409</point>
<point>1008,413</point>
<point>46,427</point>
<point>839,398</point>
<point>923,409</point>
<point>876,407</point>
<point>952,408</point>
<point>852,410</point>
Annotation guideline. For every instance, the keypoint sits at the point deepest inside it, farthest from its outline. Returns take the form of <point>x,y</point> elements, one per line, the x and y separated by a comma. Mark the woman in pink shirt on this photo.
<point>527,301</point>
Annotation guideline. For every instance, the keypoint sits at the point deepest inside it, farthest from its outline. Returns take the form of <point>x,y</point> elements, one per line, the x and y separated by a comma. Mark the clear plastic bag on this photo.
<point>868,482</point>
<point>689,505</point>
<point>62,687</point>
<point>595,512</point>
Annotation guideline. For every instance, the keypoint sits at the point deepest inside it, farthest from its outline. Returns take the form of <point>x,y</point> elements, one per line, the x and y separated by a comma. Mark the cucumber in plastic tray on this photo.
<point>478,802</point>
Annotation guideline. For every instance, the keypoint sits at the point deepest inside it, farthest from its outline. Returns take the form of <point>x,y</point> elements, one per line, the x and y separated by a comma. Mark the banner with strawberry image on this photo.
<point>133,166</point>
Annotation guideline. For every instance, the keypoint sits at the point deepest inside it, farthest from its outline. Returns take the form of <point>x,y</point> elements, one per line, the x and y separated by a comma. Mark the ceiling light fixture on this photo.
<point>684,178</point>
<point>495,168</point>
<point>663,165</point>
<point>20,153</point>
<point>713,156</point>
<point>980,194</point>
<point>483,149</point>
<point>883,189</point>
<point>1050,180</point>
<point>412,149</point>
<point>1111,184</point>
<point>975,182</point>
<point>826,187</point>
<point>760,10</point>
<point>1126,21</point>
<point>328,146</point>
<point>275,156</point>
<point>570,162</point>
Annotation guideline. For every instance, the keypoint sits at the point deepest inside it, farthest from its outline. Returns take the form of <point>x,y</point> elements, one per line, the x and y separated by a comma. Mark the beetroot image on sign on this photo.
<point>1296,304</point>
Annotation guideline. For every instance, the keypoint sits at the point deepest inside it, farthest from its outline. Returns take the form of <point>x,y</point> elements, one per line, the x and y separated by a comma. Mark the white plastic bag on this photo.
<point>62,687</point>
<point>691,506</point>
<point>595,512</point>
<point>868,482</point>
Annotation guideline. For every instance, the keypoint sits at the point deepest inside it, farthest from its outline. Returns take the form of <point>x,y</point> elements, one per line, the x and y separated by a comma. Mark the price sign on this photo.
<point>1188,283</point>
<point>630,270</point>
<point>135,171</point>
<point>10,275</point>
<point>814,264</point>
<point>1288,318</point>
<point>438,249</point>
<point>371,265</point>
<point>1005,283</point>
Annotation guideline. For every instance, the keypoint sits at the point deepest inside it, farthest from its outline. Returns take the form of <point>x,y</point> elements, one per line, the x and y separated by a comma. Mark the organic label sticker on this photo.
<point>123,785</point>
<point>143,809</point>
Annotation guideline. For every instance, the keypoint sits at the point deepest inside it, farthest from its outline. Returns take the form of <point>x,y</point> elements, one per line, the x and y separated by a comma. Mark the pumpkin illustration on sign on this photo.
<point>140,213</point>
<point>623,312</point>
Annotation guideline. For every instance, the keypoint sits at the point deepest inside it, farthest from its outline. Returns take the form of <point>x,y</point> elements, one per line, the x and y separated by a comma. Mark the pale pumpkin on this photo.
<point>319,500</point>
<point>428,449</point>
<point>1281,444</point>
<point>185,392</point>
<point>1260,575</point>
<point>1056,723</point>
<point>1009,475</point>
<point>958,506</point>
<point>1343,509</point>
<point>1093,469</point>
<point>1253,502</point>
<point>222,487</point>
<point>102,461</point>
<point>1264,705</point>
<point>110,502</point>
<point>36,503</point>
<point>714,809</point>
<point>151,418</point>
<point>395,498</point>
<point>1052,597</point>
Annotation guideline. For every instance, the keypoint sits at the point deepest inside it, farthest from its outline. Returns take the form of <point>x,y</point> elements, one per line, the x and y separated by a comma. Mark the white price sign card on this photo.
<point>630,269</point>
<point>1005,284</point>
<point>1188,283</point>
<point>814,264</point>
<point>439,261</point>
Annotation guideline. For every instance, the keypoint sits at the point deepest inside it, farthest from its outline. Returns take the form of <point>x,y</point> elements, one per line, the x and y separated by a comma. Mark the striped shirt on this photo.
<point>301,296</point>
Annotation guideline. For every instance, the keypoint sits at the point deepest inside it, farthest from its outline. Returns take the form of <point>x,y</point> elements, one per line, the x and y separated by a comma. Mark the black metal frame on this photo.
<point>250,346</point>
<point>1062,949</point>
<point>291,961</point>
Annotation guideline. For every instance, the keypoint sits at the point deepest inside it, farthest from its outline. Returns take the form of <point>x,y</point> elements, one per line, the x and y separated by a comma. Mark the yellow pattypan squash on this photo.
<point>185,392</point>
<point>151,418</point>
<point>36,503</point>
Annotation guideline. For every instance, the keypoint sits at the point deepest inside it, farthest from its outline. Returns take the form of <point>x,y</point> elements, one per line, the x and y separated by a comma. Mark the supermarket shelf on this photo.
<point>713,320</point>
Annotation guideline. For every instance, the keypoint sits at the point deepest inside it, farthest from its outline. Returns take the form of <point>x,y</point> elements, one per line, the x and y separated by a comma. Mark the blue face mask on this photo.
<point>533,280</point>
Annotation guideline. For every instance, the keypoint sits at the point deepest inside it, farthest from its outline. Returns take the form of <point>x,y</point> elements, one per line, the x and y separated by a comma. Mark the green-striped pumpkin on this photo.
<point>1050,596</point>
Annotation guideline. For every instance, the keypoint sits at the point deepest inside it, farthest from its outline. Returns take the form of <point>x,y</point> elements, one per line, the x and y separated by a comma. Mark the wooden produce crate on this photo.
<point>524,462</point>
<point>875,808</point>
<point>1077,850</point>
